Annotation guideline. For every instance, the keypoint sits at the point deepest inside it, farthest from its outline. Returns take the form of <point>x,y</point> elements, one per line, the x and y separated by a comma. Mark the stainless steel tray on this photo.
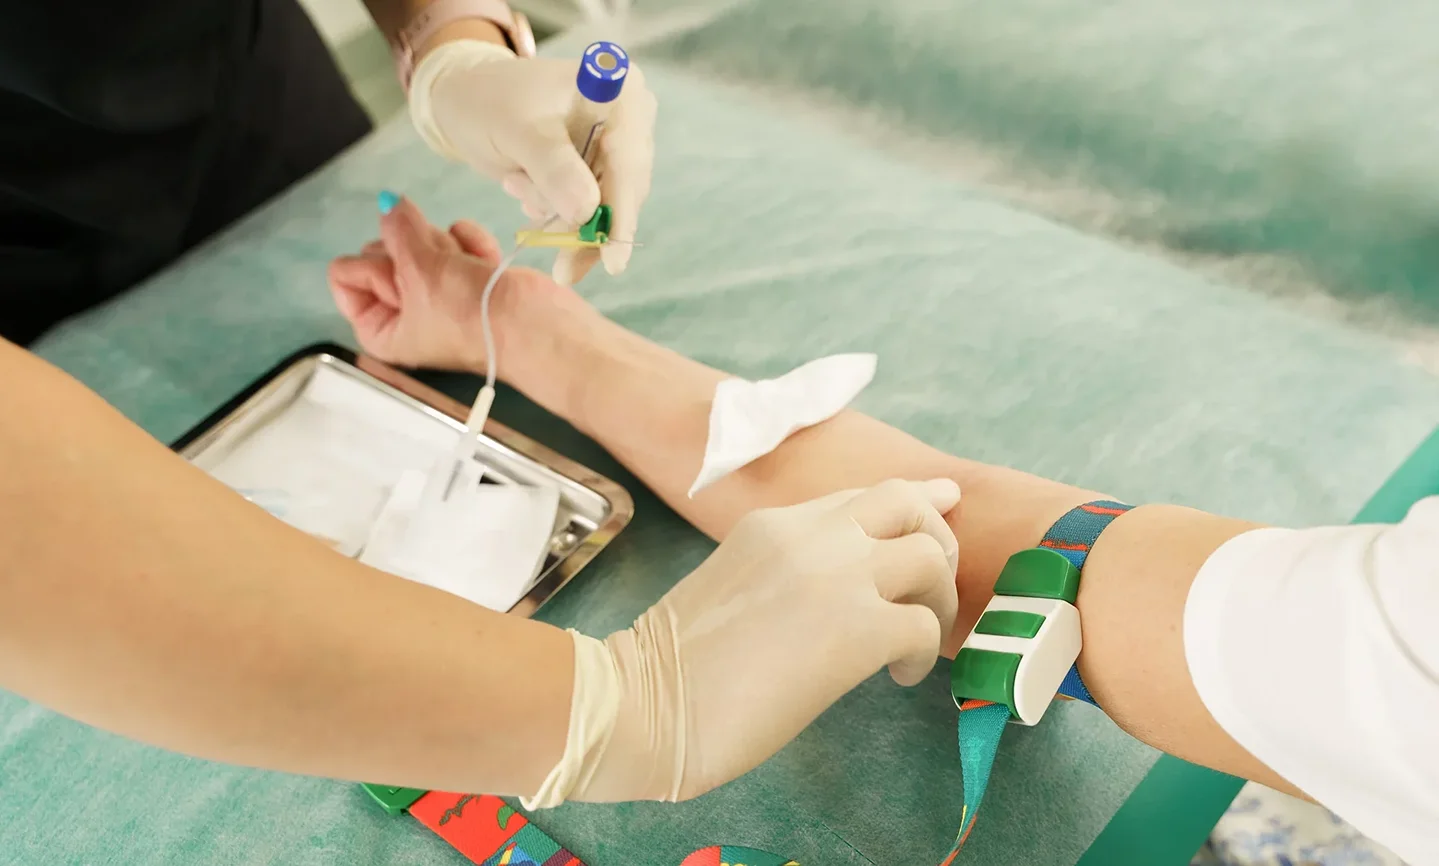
<point>397,413</point>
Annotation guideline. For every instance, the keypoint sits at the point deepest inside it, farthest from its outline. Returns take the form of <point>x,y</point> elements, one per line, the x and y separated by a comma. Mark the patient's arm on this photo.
<point>412,298</point>
<point>650,407</point>
<point>604,379</point>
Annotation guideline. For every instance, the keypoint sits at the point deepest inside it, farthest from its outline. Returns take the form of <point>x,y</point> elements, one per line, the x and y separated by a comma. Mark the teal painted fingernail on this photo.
<point>388,200</point>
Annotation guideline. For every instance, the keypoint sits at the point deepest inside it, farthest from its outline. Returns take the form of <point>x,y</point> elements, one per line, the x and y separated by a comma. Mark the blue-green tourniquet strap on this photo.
<point>980,730</point>
<point>982,725</point>
<point>1072,536</point>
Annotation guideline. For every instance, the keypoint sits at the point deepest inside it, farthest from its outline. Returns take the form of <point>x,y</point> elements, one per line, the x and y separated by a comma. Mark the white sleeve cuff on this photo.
<point>1315,650</point>
<point>1211,621</point>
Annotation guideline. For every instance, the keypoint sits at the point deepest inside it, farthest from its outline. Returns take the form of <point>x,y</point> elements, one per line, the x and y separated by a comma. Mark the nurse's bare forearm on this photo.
<point>141,596</point>
<point>650,407</point>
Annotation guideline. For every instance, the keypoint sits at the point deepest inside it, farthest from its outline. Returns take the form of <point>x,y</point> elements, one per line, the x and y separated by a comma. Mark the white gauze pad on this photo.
<point>486,543</point>
<point>750,419</point>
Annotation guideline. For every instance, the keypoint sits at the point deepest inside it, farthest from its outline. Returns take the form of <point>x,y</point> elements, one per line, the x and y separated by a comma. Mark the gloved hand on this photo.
<point>522,122</point>
<point>798,606</point>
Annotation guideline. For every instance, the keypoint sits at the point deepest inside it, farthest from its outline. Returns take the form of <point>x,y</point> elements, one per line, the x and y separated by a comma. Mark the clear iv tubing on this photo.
<point>485,399</point>
<point>480,411</point>
<point>435,488</point>
<point>599,81</point>
<point>601,77</point>
<point>485,328</point>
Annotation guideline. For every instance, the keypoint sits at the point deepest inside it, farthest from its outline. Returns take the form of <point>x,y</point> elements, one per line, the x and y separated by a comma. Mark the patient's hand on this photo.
<point>413,296</point>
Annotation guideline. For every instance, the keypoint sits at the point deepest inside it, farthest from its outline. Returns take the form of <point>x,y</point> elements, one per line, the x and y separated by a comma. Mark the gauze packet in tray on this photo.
<point>486,543</point>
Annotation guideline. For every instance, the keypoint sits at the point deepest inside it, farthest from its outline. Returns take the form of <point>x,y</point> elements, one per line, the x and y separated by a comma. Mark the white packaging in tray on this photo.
<point>486,542</point>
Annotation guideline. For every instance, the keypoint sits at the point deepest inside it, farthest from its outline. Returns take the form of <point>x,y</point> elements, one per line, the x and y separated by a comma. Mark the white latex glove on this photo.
<point>522,122</point>
<point>798,606</point>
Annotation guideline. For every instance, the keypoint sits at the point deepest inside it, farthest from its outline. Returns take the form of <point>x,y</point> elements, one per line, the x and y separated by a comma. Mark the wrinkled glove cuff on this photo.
<point>594,706</point>
<point>446,58</point>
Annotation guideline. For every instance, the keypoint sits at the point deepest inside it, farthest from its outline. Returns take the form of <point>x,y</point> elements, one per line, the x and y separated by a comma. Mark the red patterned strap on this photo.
<point>488,831</point>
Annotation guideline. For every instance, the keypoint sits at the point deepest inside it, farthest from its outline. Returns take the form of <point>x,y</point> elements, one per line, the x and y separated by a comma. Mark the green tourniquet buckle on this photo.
<point>1026,640</point>
<point>984,675</point>
<point>1039,573</point>
<point>1010,623</point>
<point>1024,651</point>
<point>394,800</point>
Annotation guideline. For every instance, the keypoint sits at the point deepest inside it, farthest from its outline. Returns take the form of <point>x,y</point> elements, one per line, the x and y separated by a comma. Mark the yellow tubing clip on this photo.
<point>536,238</point>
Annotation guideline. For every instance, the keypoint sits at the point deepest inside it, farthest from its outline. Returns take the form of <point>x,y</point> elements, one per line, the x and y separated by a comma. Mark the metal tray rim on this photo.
<point>622,508</point>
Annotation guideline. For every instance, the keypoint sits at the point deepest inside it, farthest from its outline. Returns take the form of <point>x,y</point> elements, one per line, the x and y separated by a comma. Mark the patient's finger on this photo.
<point>374,275</point>
<point>411,241</point>
<point>360,287</point>
<point>476,240</point>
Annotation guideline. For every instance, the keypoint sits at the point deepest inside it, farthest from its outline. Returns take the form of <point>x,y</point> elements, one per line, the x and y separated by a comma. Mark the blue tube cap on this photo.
<point>602,72</point>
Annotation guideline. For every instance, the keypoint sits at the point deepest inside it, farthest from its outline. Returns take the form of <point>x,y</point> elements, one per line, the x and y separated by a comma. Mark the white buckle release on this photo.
<point>1044,658</point>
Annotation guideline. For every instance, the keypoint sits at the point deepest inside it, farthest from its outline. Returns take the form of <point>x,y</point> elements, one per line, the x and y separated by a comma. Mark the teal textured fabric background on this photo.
<point>1302,130</point>
<point>1001,335</point>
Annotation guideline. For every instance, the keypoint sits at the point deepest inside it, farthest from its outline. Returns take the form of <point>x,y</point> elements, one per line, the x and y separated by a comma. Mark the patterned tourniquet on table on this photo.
<point>729,855</point>
<point>488,831</point>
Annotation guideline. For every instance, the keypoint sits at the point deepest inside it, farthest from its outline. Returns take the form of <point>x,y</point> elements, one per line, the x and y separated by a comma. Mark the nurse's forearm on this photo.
<point>650,407</point>
<point>392,16</point>
<point>139,595</point>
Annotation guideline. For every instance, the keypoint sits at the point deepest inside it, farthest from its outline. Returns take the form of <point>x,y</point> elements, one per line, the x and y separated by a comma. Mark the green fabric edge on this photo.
<point>1170,813</point>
